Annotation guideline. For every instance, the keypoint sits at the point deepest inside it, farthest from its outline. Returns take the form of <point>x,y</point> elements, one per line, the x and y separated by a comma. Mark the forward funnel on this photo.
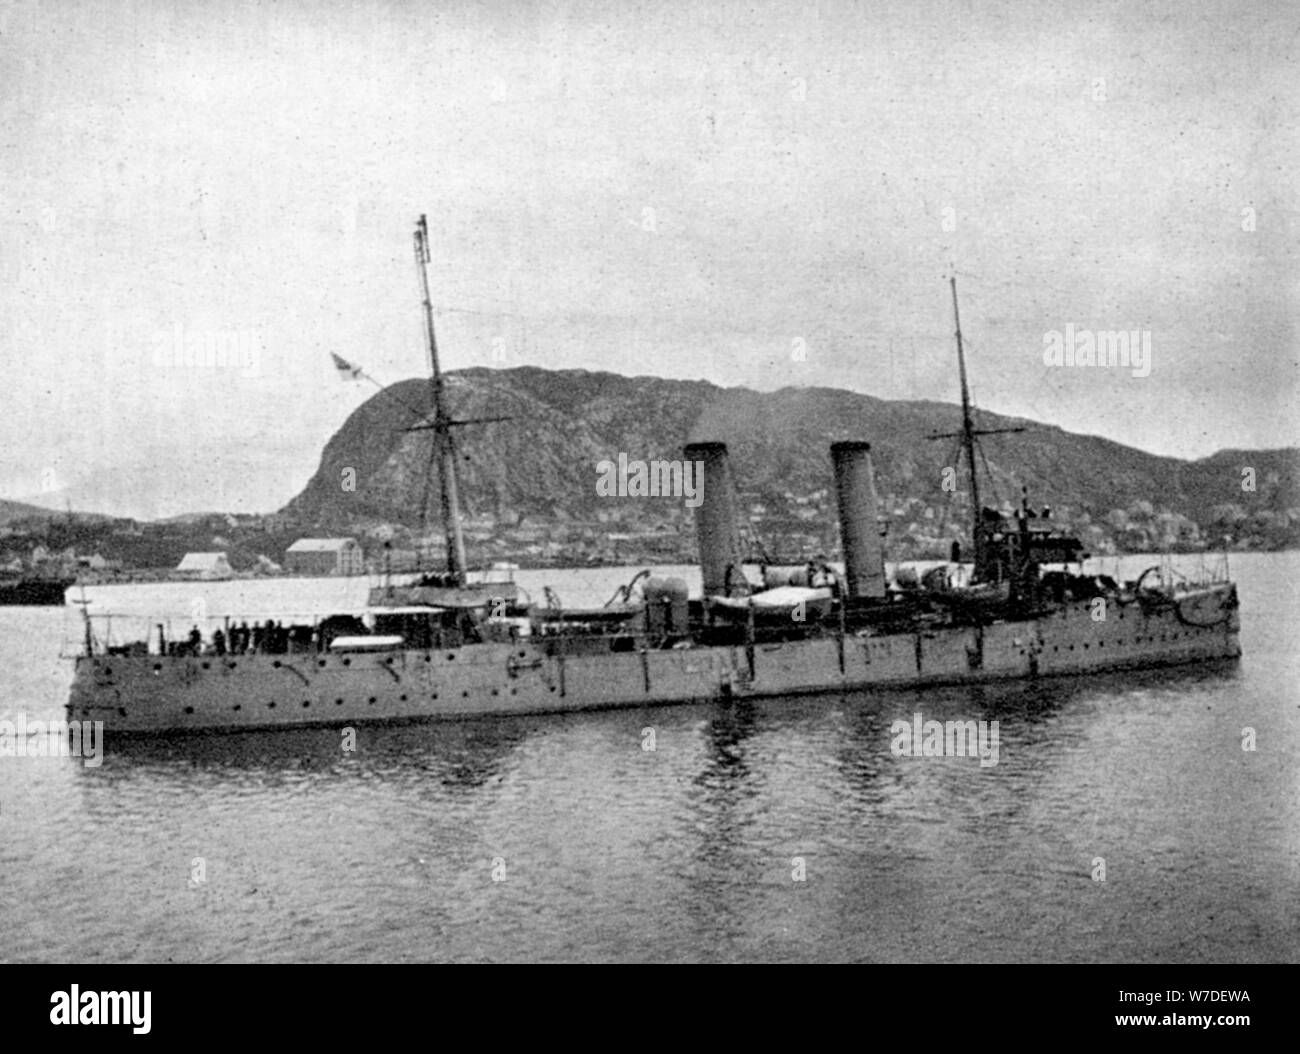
<point>855,491</point>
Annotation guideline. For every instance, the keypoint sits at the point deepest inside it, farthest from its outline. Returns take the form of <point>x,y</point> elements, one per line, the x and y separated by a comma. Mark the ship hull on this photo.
<point>157,694</point>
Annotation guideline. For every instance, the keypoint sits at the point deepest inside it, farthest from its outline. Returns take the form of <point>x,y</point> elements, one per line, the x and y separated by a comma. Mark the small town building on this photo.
<point>206,566</point>
<point>325,556</point>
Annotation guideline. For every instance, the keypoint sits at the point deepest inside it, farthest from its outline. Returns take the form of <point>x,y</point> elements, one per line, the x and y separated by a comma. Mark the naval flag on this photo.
<point>347,372</point>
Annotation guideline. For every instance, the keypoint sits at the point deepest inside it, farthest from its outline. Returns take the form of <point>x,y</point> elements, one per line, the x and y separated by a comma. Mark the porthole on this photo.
<point>464,695</point>
<point>207,665</point>
<point>371,700</point>
<point>306,703</point>
<point>237,706</point>
<point>338,702</point>
<point>189,709</point>
<point>320,662</point>
<point>270,706</point>
<point>347,662</point>
<point>450,655</point>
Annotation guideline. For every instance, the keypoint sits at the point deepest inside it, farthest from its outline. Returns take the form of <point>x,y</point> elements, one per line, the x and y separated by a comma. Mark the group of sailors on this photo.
<point>269,638</point>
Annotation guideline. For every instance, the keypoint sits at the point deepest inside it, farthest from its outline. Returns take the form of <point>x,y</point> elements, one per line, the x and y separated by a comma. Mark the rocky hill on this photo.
<point>540,466</point>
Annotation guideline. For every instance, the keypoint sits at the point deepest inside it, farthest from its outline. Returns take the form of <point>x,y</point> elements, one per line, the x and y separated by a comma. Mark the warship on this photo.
<point>453,645</point>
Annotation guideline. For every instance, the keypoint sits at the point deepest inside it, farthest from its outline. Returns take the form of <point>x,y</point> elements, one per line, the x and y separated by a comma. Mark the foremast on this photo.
<point>444,440</point>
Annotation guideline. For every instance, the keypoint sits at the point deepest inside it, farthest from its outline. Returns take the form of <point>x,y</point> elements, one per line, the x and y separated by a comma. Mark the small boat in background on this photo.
<point>33,590</point>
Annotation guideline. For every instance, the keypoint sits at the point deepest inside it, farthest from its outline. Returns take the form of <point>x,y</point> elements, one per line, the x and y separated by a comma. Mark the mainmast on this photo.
<point>444,442</point>
<point>985,568</point>
<point>967,426</point>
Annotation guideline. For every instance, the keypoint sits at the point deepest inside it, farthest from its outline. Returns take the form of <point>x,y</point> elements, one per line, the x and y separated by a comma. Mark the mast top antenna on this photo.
<point>422,239</point>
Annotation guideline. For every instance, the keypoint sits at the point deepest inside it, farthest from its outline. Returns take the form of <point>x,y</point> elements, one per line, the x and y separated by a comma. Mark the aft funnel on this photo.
<point>715,521</point>
<point>855,490</point>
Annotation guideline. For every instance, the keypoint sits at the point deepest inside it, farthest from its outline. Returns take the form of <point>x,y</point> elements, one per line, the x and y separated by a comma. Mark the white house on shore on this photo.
<point>207,566</point>
<point>325,556</point>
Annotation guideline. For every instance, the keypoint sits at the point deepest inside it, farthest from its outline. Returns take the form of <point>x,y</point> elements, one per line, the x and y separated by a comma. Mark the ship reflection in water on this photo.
<point>736,837</point>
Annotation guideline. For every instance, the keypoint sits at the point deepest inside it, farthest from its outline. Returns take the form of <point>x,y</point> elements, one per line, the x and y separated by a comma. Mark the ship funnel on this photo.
<point>715,521</point>
<point>855,490</point>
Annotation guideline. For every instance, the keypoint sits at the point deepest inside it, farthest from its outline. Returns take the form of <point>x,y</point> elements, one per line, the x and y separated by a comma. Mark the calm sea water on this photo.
<point>562,838</point>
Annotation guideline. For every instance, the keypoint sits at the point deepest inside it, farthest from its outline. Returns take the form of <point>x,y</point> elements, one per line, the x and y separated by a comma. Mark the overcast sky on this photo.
<point>684,189</point>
